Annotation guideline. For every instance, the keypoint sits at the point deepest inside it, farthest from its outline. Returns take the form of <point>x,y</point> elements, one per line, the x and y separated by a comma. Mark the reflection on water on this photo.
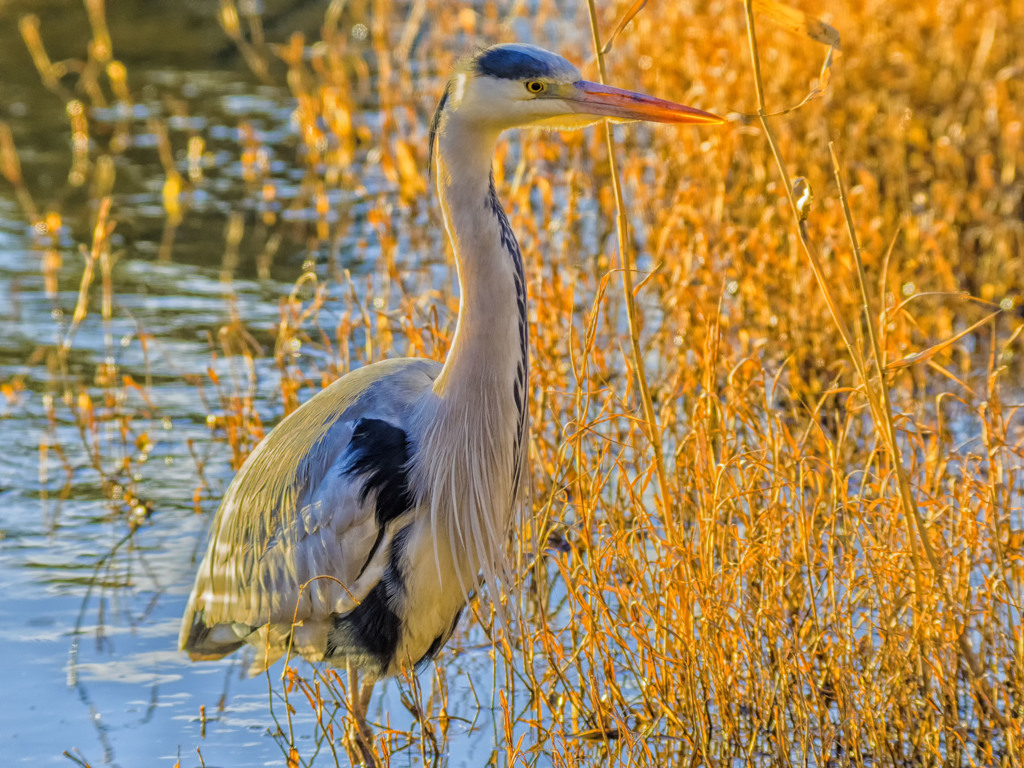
<point>89,609</point>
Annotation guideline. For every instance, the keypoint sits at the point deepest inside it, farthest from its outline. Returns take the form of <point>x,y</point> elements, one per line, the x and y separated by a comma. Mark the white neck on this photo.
<point>473,438</point>
<point>487,345</point>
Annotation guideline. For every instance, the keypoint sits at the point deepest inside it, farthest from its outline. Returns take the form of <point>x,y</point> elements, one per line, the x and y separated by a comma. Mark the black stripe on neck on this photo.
<point>511,246</point>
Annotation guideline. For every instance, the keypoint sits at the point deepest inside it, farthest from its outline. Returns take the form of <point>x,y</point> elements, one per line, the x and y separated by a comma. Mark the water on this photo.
<point>89,608</point>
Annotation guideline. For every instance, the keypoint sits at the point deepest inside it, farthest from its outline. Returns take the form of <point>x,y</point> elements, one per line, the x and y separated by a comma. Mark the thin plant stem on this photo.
<point>910,509</point>
<point>626,258</point>
<point>880,405</point>
<point>833,306</point>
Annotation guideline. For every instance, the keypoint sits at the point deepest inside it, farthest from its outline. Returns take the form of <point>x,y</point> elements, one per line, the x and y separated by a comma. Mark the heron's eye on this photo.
<point>535,86</point>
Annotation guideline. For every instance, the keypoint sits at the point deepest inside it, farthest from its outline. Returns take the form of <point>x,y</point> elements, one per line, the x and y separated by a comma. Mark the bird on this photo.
<point>356,530</point>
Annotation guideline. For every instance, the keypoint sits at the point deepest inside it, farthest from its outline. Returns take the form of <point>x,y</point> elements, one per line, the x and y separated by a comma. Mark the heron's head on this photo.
<point>506,86</point>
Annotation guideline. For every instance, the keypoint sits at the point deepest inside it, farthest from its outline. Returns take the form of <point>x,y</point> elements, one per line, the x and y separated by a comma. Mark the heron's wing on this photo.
<point>307,511</point>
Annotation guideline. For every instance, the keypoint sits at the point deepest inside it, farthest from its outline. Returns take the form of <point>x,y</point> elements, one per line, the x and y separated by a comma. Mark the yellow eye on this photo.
<point>535,86</point>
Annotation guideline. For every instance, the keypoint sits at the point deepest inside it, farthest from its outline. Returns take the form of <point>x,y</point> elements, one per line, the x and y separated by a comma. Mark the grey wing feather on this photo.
<point>293,513</point>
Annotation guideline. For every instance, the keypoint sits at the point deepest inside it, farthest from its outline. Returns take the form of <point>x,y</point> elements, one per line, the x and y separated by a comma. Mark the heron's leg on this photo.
<point>353,688</point>
<point>359,702</point>
<point>364,701</point>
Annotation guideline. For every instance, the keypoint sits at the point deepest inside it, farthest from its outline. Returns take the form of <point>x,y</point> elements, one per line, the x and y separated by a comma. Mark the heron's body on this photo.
<point>398,482</point>
<point>355,531</point>
<point>328,494</point>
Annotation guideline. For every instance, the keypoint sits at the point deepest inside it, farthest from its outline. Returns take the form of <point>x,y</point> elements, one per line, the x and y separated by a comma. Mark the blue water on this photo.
<point>89,606</point>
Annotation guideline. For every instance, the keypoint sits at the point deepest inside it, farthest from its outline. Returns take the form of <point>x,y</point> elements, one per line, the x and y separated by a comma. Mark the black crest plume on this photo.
<point>435,124</point>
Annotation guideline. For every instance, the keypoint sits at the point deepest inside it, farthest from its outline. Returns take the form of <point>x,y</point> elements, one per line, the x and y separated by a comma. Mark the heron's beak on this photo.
<point>617,104</point>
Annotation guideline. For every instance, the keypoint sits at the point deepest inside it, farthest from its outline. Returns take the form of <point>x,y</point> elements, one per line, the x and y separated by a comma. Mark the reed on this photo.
<point>777,453</point>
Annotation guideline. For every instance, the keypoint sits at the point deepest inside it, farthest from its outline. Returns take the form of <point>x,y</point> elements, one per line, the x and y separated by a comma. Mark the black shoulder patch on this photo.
<point>380,451</point>
<point>510,64</point>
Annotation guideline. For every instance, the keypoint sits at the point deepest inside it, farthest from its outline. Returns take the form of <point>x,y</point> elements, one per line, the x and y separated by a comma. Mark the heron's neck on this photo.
<point>489,349</point>
<point>474,434</point>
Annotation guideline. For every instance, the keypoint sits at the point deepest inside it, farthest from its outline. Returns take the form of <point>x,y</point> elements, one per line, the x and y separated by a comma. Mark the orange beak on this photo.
<point>604,101</point>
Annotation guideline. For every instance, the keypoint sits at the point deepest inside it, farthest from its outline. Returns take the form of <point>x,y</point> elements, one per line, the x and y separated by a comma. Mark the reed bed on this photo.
<point>776,506</point>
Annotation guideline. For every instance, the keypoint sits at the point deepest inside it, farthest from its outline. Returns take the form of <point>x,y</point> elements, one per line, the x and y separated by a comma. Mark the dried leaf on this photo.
<point>925,354</point>
<point>598,734</point>
<point>628,17</point>
<point>799,22</point>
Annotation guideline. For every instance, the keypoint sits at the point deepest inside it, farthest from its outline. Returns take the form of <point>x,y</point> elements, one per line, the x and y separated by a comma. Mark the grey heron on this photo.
<point>355,531</point>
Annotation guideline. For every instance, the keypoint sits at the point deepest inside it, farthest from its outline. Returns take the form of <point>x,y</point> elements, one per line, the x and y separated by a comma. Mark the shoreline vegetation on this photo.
<point>777,495</point>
